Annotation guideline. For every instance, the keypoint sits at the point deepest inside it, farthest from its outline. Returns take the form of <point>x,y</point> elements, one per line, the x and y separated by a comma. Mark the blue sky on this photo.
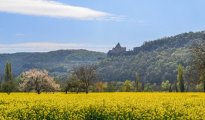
<point>42,25</point>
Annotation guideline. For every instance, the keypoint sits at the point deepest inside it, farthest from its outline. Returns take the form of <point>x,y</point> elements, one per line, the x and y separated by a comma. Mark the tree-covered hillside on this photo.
<point>153,66</point>
<point>155,61</point>
<point>58,63</point>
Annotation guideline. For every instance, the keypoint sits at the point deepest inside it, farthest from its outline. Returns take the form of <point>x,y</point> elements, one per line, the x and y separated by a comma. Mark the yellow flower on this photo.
<point>102,105</point>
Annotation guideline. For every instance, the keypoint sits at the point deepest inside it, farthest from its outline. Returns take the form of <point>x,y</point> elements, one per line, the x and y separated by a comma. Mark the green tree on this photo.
<point>127,86</point>
<point>198,51</point>
<point>180,78</point>
<point>111,86</point>
<point>137,82</point>
<point>202,78</point>
<point>148,87</point>
<point>100,86</point>
<point>199,87</point>
<point>166,85</point>
<point>8,83</point>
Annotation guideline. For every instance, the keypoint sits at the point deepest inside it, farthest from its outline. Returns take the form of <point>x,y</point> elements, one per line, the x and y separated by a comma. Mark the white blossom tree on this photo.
<point>37,80</point>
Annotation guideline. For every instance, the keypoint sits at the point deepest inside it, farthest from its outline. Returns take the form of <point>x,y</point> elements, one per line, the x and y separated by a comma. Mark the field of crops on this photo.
<point>102,106</point>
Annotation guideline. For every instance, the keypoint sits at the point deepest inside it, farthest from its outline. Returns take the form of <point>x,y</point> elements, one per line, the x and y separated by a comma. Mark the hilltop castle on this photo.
<point>117,50</point>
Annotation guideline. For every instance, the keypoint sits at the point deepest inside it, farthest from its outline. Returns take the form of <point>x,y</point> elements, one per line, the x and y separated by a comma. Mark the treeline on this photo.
<point>85,79</point>
<point>31,80</point>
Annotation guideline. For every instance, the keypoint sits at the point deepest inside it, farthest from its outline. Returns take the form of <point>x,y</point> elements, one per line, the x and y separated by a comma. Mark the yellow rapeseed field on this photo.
<point>102,106</point>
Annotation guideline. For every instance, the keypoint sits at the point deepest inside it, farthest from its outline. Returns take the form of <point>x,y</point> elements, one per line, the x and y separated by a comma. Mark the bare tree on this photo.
<point>86,74</point>
<point>73,84</point>
<point>37,80</point>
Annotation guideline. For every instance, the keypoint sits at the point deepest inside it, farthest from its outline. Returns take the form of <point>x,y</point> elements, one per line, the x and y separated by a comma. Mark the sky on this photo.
<point>97,25</point>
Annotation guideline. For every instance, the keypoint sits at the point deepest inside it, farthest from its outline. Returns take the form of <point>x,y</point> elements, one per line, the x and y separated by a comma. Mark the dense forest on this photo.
<point>58,63</point>
<point>155,61</point>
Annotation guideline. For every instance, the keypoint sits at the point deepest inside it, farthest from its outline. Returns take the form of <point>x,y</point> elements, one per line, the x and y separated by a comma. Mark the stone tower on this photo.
<point>117,50</point>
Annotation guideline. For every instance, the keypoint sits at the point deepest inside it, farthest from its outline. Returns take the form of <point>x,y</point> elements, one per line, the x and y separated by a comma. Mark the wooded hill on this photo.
<point>155,60</point>
<point>58,63</point>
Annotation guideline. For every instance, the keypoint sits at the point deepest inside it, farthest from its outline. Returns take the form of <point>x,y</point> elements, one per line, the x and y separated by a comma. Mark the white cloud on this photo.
<point>51,9</point>
<point>45,47</point>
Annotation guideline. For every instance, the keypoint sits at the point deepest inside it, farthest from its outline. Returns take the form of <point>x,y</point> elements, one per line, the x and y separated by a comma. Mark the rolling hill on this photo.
<point>155,60</point>
<point>58,63</point>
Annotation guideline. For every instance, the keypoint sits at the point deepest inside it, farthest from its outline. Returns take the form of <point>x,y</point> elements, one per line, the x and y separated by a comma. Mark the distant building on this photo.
<point>117,50</point>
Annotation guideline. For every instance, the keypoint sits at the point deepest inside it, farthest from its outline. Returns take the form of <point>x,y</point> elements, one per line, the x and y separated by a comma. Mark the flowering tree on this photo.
<point>37,80</point>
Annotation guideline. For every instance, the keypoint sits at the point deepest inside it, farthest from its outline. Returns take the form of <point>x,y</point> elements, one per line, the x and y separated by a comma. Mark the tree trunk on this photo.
<point>137,87</point>
<point>182,86</point>
<point>86,90</point>
<point>38,91</point>
<point>188,86</point>
<point>142,86</point>
<point>204,85</point>
<point>77,90</point>
<point>170,88</point>
<point>176,87</point>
